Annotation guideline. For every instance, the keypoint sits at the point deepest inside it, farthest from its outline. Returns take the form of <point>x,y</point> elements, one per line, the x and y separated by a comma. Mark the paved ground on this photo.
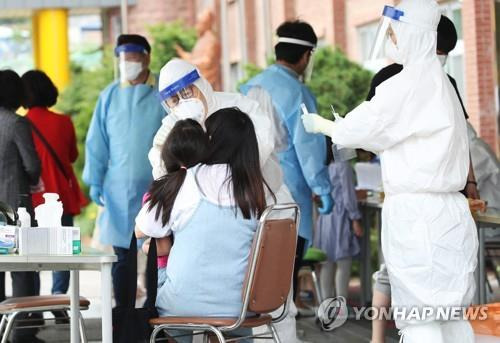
<point>351,332</point>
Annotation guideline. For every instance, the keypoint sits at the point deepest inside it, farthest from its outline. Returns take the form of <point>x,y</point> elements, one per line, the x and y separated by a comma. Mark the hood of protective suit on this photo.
<point>417,44</point>
<point>176,69</point>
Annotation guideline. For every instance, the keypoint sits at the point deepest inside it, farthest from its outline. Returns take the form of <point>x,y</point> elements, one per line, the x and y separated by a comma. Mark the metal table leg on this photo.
<point>482,268</point>
<point>75,305</point>
<point>106,285</point>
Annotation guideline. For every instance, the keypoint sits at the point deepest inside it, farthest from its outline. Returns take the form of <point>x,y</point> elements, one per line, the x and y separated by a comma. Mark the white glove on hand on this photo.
<point>314,123</point>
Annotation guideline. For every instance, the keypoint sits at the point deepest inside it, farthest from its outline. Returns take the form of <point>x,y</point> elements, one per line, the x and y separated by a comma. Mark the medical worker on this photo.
<point>126,118</point>
<point>303,159</point>
<point>184,93</point>
<point>446,41</point>
<point>416,123</point>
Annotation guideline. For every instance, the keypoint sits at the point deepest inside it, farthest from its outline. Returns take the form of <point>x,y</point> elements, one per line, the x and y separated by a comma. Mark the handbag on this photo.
<point>51,152</point>
<point>76,192</point>
<point>130,324</point>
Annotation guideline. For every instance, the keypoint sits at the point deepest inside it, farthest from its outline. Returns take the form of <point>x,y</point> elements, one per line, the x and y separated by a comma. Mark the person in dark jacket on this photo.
<point>19,170</point>
<point>59,139</point>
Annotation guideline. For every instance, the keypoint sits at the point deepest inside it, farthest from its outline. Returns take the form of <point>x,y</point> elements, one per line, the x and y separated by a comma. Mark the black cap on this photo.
<point>134,39</point>
<point>446,35</point>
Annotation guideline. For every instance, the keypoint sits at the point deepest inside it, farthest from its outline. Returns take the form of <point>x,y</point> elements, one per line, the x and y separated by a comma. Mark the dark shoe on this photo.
<point>61,317</point>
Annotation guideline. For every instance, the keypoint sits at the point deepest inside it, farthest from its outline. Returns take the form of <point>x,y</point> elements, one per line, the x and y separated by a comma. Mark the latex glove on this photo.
<point>96,195</point>
<point>314,123</point>
<point>326,204</point>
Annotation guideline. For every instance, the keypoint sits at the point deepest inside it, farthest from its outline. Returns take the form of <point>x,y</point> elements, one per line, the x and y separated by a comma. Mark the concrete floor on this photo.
<point>351,332</point>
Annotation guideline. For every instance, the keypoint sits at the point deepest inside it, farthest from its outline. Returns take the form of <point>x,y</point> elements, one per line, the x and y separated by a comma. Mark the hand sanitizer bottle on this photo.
<point>49,213</point>
<point>24,217</point>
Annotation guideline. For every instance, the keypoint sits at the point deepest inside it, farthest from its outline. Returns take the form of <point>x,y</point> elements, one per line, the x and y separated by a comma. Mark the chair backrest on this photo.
<point>270,269</point>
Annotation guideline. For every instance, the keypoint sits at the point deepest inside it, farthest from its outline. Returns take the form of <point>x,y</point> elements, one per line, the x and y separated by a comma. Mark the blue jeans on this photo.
<point>60,280</point>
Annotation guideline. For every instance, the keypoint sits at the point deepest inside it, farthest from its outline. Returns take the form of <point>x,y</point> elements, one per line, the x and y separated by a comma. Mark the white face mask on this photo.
<point>443,59</point>
<point>392,52</point>
<point>190,109</point>
<point>129,71</point>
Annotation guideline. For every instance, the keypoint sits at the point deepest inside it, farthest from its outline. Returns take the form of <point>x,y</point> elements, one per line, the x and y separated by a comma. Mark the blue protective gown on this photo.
<point>120,135</point>
<point>303,160</point>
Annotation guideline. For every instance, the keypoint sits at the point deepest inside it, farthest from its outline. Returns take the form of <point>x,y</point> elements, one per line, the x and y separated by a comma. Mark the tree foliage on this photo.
<point>335,81</point>
<point>165,36</point>
<point>338,81</point>
<point>79,99</point>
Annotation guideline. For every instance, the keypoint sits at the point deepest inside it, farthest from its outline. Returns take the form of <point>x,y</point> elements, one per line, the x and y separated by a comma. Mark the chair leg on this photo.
<point>81,325</point>
<point>276,338</point>
<point>10,324</point>
<point>317,289</point>
<point>217,333</point>
<point>3,323</point>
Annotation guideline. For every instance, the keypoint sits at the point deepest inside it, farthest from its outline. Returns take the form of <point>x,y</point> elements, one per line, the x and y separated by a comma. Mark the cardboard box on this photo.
<point>49,241</point>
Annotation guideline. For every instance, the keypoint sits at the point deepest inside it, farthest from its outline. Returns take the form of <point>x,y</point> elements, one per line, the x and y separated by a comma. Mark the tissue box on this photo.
<point>8,239</point>
<point>49,241</point>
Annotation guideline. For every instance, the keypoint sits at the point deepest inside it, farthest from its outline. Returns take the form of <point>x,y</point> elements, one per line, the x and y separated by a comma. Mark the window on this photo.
<point>367,34</point>
<point>235,75</point>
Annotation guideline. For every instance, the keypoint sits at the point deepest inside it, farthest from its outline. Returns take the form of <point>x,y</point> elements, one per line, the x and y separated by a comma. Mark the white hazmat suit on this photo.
<point>416,124</point>
<point>268,138</point>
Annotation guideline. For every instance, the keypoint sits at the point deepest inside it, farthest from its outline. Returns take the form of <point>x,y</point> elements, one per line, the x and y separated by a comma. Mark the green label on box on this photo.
<point>77,247</point>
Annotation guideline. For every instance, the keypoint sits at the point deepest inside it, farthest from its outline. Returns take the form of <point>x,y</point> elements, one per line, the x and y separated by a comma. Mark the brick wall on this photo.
<point>149,12</point>
<point>339,24</point>
<point>480,69</point>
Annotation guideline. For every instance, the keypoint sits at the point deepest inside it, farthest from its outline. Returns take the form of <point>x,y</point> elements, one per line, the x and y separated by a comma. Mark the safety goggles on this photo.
<point>180,89</point>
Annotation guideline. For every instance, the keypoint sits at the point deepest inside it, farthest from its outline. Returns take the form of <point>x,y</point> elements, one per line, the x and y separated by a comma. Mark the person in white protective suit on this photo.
<point>184,93</point>
<point>416,124</point>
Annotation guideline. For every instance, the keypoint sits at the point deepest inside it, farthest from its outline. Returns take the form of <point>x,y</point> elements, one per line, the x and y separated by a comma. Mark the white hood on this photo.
<point>416,43</point>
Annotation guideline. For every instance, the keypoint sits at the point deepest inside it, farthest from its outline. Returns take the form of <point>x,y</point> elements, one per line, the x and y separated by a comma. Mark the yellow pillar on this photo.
<point>50,44</point>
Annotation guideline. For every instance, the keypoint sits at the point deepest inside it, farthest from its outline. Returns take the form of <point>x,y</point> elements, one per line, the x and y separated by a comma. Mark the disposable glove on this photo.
<point>314,123</point>
<point>96,195</point>
<point>326,204</point>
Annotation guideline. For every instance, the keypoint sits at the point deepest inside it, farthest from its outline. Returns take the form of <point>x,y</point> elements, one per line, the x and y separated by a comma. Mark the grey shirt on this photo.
<point>19,163</point>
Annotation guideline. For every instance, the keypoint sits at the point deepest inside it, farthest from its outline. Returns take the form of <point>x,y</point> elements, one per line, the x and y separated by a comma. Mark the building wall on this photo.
<point>149,12</point>
<point>480,68</point>
<point>336,22</point>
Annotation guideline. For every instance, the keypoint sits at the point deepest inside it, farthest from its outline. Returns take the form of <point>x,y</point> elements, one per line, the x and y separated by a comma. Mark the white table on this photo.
<point>490,219</point>
<point>88,260</point>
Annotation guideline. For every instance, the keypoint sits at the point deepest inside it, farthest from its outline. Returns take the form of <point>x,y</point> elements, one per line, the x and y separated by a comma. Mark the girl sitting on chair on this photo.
<point>213,219</point>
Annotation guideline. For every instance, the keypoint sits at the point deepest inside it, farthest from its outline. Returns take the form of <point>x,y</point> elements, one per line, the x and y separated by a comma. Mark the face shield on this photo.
<point>385,43</point>
<point>129,58</point>
<point>178,98</point>
<point>306,77</point>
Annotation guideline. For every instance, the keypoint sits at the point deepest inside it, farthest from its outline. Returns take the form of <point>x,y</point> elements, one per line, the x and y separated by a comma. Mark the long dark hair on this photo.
<point>184,147</point>
<point>233,142</point>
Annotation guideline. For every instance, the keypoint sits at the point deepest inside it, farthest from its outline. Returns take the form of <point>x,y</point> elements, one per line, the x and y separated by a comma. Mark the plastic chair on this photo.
<point>311,259</point>
<point>266,285</point>
<point>12,307</point>
<point>489,326</point>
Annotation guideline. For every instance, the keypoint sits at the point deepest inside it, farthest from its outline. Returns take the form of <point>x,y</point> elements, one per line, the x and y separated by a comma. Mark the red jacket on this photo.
<point>59,132</point>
